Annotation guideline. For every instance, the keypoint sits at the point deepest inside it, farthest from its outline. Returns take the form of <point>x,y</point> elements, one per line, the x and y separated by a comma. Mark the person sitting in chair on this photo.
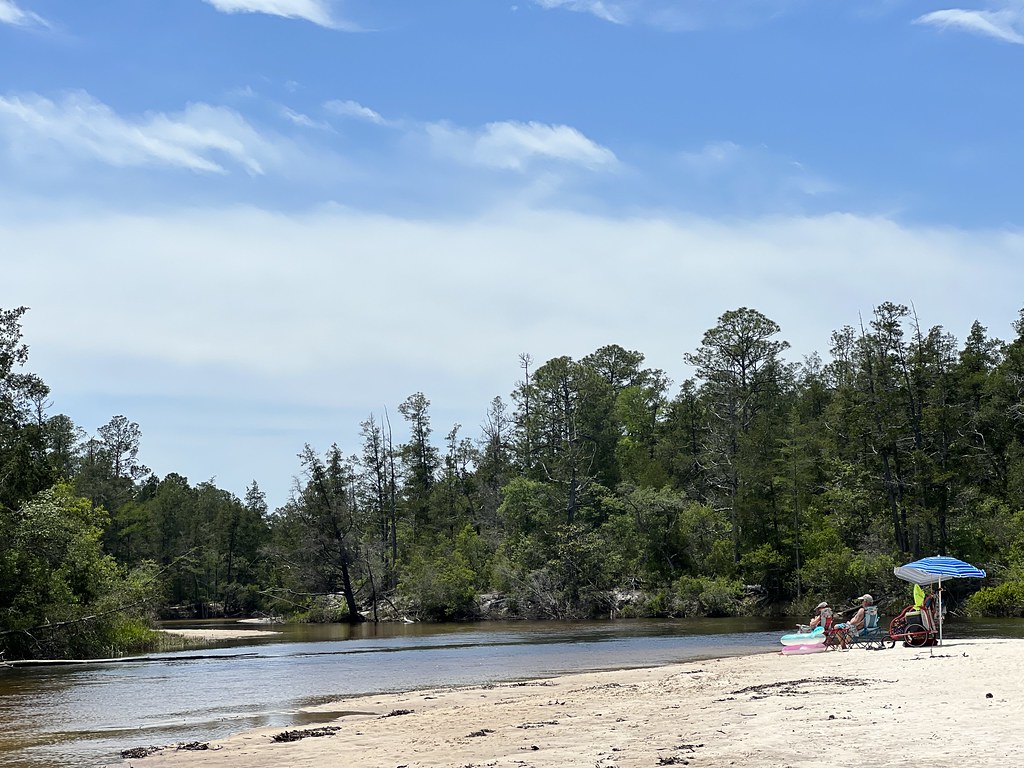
<point>856,624</point>
<point>816,619</point>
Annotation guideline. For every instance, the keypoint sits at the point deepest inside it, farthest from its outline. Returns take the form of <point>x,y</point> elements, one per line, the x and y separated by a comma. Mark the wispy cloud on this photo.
<point>676,16</point>
<point>1006,23</point>
<point>200,138</point>
<point>514,145</point>
<point>10,13</point>
<point>607,11</point>
<point>712,156</point>
<point>354,109</point>
<point>315,11</point>
<point>301,120</point>
<point>750,176</point>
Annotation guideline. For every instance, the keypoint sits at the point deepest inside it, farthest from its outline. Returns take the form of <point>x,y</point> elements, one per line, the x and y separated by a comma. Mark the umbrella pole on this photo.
<point>940,610</point>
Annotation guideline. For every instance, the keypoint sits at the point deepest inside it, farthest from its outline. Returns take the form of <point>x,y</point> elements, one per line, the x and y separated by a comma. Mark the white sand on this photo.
<point>958,705</point>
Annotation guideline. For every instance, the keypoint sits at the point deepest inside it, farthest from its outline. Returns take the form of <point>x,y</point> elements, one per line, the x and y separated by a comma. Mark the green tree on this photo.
<point>743,375</point>
<point>420,459</point>
<point>24,468</point>
<point>325,527</point>
<point>60,595</point>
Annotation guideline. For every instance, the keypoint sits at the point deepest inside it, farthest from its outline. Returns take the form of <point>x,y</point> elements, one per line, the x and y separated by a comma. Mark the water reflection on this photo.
<point>83,715</point>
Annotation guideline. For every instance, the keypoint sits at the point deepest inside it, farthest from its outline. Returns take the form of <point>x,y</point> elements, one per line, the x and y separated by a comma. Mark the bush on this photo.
<point>705,596</point>
<point>325,609</point>
<point>60,595</point>
<point>1007,600</point>
<point>440,584</point>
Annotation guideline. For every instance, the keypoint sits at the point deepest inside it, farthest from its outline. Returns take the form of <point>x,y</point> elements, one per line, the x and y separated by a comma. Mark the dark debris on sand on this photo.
<point>137,753</point>
<point>397,712</point>
<point>194,746</point>
<point>327,730</point>
<point>797,687</point>
<point>140,752</point>
<point>680,759</point>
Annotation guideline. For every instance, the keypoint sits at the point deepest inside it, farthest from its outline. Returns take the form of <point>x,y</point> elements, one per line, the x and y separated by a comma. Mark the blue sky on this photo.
<point>248,224</point>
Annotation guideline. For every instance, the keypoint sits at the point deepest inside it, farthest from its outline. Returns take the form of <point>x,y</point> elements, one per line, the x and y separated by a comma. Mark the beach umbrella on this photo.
<point>932,570</point>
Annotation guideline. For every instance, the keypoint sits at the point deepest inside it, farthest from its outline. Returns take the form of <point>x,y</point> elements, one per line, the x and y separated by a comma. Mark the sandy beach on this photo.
<point>961,704</point>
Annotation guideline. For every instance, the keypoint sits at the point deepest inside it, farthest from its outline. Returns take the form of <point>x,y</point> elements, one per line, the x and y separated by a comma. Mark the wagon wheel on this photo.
<point>917,639</point>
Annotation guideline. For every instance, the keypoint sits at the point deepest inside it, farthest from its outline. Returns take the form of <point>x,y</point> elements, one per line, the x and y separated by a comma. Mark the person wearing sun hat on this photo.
<point>857,622</point>
<point>816,618</point>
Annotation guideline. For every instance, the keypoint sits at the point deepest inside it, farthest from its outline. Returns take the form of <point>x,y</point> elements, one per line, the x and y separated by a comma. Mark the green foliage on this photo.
<point>1004,600</point>
<point>835,572</point>
<point>322,609</point>
<point>61,595</point>
<point>598,494</point>
<point>704,596</point>
<point>441,583</point>
<point>565,574</point>
<point>764,567</point>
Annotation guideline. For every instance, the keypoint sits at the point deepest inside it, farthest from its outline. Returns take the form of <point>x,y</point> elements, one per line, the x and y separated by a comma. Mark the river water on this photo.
<point>83,715</point>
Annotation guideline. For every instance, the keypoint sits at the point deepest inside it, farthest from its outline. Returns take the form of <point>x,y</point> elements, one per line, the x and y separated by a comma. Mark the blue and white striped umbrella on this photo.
<point>933,570</point>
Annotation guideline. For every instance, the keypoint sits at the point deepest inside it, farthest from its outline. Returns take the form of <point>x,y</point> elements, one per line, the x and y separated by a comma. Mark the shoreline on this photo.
<point>201,638</point>
<point>219,634</point>
<point>956,705</point>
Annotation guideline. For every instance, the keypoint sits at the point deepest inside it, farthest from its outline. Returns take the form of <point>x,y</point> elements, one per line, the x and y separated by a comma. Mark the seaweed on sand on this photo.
<point>327,730</point>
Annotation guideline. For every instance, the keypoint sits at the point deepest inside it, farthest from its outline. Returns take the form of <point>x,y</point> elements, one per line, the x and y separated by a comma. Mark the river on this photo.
<point>83,715</point>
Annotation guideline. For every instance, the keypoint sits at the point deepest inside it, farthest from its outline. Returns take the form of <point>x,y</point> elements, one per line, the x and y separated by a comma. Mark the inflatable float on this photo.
<point>795,650</point>
<point>815,637</point>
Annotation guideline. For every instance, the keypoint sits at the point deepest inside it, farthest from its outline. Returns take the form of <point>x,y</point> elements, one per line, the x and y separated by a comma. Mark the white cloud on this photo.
<point>676,16</point>
<point>514,145</point>
<point>1006,24</point>
<point>10,13</point>
<point>234,320</point>
<point>354,109</point>
<point>201,138</point>
<point>606,11</point>
<point>316,11</point>
<point>301,120</point>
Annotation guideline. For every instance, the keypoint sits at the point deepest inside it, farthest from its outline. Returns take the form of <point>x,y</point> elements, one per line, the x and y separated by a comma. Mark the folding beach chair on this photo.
<point>871,635</point>
<point>834,638</point>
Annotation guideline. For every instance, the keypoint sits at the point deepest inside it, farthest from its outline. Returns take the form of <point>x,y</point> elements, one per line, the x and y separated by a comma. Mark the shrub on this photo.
<point>705,596</point>
<point>1007,599</point>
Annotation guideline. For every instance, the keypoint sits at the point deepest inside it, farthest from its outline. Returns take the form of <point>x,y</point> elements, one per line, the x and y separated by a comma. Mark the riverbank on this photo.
<point>957,705</point>
<point>212,635</point>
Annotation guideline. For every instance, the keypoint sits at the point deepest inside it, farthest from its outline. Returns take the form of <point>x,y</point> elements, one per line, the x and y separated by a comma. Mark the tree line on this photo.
<point>595,488</point>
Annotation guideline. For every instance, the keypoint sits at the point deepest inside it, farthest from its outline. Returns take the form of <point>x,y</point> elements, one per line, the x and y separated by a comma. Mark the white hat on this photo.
<point>821,605</point>
<point>869,598</point>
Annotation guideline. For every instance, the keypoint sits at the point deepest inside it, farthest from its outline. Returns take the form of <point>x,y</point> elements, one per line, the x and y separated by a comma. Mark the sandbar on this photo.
<point>960,704</point>
<point>219,634</point>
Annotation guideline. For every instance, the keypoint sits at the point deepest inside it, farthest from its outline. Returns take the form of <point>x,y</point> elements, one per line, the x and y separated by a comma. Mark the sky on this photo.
<point>247,225</point>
